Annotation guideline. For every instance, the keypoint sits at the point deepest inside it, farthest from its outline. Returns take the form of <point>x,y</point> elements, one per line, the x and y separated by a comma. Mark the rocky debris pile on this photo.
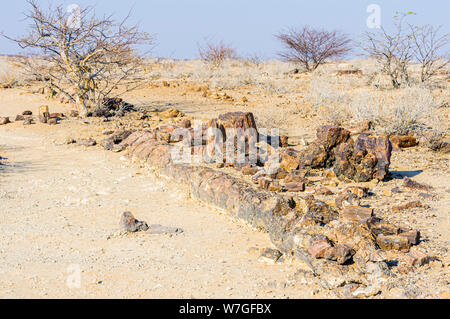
<point>113,107</point>
<point>344,244</point>
<point>361,160</point>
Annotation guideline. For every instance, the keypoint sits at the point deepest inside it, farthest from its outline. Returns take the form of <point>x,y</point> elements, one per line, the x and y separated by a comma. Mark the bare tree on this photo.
<point>80,55</point>
<point>427,46</point>
<point>397,50</point>
<point>216,53</point>
<point>312,47</point>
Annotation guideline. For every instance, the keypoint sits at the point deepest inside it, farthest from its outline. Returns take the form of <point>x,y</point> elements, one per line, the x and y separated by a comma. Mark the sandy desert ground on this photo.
<point>60,203</point>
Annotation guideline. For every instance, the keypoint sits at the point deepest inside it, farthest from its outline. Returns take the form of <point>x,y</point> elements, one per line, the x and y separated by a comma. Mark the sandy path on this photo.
<point>59,204</point>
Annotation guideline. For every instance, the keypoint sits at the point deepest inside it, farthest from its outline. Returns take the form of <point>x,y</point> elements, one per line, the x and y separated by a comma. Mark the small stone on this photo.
<point>131,224</point>
<point>403,141</point>
<point>387,192</point>
<point>393,242</point>
<point>340,253</point>
<point>295,187</point>
<point>356,214</point>
<point>413,236</point>
<point>358,191</point>
<point>27,112</point>
<point>418,258</point>
<point>4,120</point>
<point>87,142</point>
<point>19,118</point>
<point>269,256</point>
<point>318,246</point>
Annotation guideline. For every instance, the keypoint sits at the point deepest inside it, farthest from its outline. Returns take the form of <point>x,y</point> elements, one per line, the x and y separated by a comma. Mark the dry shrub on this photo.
<point>216,53</point>
<point>400,113</point>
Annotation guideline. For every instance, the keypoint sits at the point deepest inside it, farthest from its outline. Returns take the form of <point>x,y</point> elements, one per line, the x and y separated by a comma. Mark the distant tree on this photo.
<point>80,55</point>
<point>312,47</point>
<point>216,53</point>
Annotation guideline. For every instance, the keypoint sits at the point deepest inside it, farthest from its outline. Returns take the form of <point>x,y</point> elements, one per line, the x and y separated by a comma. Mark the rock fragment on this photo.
<point>131,224</point>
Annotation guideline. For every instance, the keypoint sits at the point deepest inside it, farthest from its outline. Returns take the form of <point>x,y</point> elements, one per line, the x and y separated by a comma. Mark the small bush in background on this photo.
<point>216,53</point>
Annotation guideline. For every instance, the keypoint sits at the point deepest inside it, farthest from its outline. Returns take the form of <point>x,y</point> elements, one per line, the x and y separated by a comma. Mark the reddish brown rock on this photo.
<point>393,242</point>
<point>413,236</point>
<point>19,118</point>
<point>27,112</point>
<point>244,120</point>
<point>340,253</point>
<point>56,115</point>
<point>356,214</point>
<point>379,227</point>
<point>330,136</point>
<point>319,154</point>
<point>363,160</point>
<point>403,141</point>
<point>318,246</point>
<point>295,187</point>
<point>418,258</point>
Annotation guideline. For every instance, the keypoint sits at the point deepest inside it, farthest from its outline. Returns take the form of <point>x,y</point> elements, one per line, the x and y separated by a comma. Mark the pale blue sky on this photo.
<point>248,25</point>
